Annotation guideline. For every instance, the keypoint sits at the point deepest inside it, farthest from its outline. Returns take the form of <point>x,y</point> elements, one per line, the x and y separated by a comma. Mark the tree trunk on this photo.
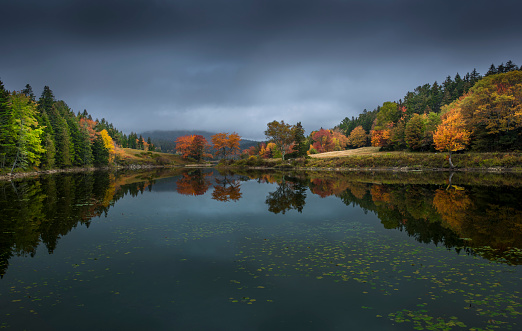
<point>449,159</point>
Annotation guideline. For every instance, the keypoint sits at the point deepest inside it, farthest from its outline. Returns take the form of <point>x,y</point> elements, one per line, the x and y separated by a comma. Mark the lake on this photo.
<point>209,250</point>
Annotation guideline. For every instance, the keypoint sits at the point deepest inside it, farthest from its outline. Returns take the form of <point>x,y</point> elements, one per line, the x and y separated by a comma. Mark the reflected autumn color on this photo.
<point>458,212</point>
<point>290,194</point>
<point>227,189</point>
<point>194,183</point>
<point>325,187</point>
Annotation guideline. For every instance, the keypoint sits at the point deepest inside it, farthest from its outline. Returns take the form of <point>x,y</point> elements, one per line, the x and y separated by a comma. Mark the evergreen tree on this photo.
<point>140,143</point>
<point>510,66</point>
<point>300,144</point>
<point>99,152</point>
<point>436,97</point>
<point>63,143</point>
<point>28,91</point>
<point>151,146</point>
<point>125,141</point>
<point>46,101</point>
<point>492,70</point>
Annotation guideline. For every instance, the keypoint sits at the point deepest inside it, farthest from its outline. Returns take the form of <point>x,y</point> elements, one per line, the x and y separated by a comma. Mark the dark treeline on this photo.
<point>47,133</point>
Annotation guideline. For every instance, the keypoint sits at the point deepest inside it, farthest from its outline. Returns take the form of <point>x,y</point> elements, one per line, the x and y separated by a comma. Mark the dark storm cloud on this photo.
<point>235,65</point>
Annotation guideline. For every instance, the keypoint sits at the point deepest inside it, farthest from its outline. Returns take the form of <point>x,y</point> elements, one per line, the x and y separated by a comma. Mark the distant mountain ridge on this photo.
<point>166,138</point>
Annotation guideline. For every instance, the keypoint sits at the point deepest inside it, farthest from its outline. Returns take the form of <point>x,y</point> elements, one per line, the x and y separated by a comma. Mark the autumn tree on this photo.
<point>451,135</point>
<point>339,139</point>
<point>108,143</point>
<point>493,112</point>
<point>199,148</point>
<point>357,137</point>
<point>323,141</point>
<point>183,145</point>
<point>382,137</point>
<point>226,144</point>
<point>195,146</point>
<point>280,133</point>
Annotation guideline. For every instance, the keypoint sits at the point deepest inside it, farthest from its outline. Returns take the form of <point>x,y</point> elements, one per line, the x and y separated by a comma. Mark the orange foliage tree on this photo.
<point>381,138</point>
<point>195,146</point>
<point>226,144</point>
<point>340,140</point>
<point>90,126</point>
<point>183,145</point>
<point>323,141</point>
<point>451,135</point>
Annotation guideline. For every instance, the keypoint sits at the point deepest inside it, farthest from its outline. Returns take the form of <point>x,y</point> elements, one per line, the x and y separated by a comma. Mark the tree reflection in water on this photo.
<point>482,216</point>
<point>290,194</point>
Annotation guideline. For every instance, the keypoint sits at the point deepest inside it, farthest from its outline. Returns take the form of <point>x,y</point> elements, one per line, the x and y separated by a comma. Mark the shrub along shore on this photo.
<point>382,161</point>
<point>391,161</point>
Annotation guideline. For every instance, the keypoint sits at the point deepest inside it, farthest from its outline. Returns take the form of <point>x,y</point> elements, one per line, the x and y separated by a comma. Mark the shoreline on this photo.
<point>20,175</point>
<point>499,170</point>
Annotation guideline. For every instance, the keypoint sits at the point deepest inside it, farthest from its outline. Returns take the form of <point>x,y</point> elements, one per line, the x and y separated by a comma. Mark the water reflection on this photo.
<point>458,211</point>
<point>41,211</point>
<point>478,214</point>
<point>290,194</point>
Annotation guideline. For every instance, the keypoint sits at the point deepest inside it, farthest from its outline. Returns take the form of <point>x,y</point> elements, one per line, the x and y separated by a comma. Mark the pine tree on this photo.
<point>300,146</point>
<point>28,91</point>
<point>99,152</point>
<point>492,70</point>
<point>46,101</point>
<point>151,146</point>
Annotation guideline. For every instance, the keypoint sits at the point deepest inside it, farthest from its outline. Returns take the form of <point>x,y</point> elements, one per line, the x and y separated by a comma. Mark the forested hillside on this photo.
<point>48,134</point>
<point>490,118</point>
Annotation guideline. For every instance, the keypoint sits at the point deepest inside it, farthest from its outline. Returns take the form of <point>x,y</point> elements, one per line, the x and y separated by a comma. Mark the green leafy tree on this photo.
<point>389,113</point>
<point>22,133</point>
<point>414,132</point>
<point>280,133</point>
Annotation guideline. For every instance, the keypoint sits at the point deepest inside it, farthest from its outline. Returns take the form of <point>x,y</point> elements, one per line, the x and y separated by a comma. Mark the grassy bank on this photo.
<point>130,158</point>
<point>371,158</point>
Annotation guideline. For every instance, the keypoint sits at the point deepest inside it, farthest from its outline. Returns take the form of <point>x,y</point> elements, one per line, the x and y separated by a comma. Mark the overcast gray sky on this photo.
<point>236,65</point>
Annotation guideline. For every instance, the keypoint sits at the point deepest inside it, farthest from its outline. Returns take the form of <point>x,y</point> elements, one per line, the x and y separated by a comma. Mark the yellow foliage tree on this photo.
<point>451,135</point>
<point>109,144</point>
<point>357,137</point>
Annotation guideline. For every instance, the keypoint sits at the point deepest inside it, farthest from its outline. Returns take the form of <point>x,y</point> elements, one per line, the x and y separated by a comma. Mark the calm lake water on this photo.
<point>203,250</point>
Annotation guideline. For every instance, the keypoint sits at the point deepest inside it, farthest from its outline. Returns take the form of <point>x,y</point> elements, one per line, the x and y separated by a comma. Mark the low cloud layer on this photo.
<point>236,65</point>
